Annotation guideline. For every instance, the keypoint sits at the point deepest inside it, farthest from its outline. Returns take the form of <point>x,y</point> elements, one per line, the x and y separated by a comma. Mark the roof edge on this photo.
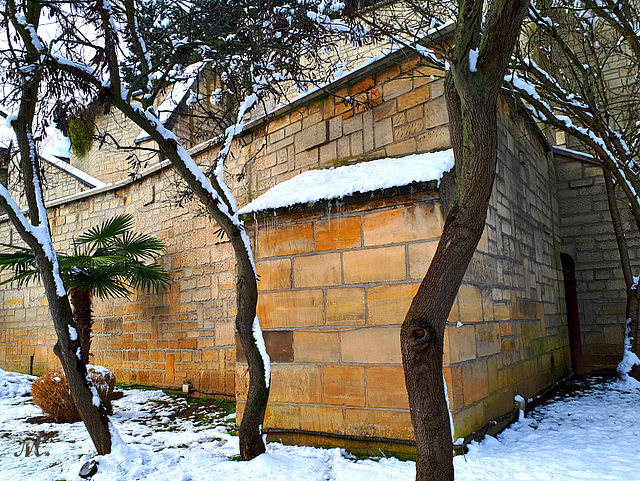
<point>427,187</point>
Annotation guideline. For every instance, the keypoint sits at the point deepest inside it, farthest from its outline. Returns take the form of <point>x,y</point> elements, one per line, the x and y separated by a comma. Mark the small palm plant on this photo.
<point>107,261</point>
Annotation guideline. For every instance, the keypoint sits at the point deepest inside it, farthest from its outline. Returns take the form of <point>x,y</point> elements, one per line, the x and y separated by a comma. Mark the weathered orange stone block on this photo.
<point>374,265</point>
<point>242,382</point>
<point>362,85</point>
<point>386,387</point>
<point>433,139</point>
<point>343,385</point>
<point>285,240</point>
<point>475,381</point>
<point>413,98</point>
<point>403,224</point>
<point>317,270</point>
<point>420,257</point>
<point>459,343</point>
<point>435,113</point>
<point>345,306</point>
<point>322,419</point>
<point>378,423</point>
<point>210,355</point>
<point>389,304</point>
<point>453,378</point>
<point>396,87</point>
<point>316,346</point>
<point>470,301</point>
<point>338,233</point>
<point>14,303</point>
<point>274,274</point>
<point>291,309</point>
<point>487,338</point>
<point>371,345</point>
<point>296,383</point>
<point>283,416</point>
<point>468,419</point>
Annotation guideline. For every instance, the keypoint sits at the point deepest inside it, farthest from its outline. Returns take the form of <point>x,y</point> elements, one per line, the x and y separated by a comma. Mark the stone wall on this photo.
<point>395,111</point>
<point>522,345</point>
<point>334,289</point>
<point>588,237</point>
<point>184,333</point>
<point>336,285</point>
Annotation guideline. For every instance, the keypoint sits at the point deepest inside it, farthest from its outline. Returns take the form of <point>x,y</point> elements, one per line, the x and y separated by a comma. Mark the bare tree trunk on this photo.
<point>251,444</point>
<point>93,416</point>
<point>67,349</point>
<point>422,334</point>
<point>81,303</point>
<point>5,159</point>
<point>633,295</point>
<point>472,105</point>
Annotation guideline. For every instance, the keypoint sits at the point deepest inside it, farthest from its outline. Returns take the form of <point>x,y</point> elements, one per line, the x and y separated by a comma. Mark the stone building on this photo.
<point>337,273</point>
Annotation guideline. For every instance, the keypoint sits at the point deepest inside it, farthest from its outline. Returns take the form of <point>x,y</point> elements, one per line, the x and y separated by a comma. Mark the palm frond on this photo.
<point>98,236</point>
<point>103,282</point>
<point>74,262</point>
<point>23,264</point>
<point>23,279</point>
<point>138,246</point>
<point>107,260</point>
<point>150,277</point>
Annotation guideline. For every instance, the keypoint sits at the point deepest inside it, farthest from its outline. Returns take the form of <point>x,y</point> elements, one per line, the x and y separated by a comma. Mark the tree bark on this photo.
<point>81,303</point>
<point>633,295</point>
<point>94,417</point>
<point>422,334</point>
<point>472,106</point>
<point>251,444</point>
<point>75,370</point>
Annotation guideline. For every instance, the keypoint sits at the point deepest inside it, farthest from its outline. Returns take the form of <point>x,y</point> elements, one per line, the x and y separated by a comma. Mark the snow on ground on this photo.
<point>590,435</point>
<point>14,385</point>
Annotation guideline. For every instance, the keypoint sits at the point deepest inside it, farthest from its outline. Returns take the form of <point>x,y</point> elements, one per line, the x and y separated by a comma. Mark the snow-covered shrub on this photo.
<point>51,393</point>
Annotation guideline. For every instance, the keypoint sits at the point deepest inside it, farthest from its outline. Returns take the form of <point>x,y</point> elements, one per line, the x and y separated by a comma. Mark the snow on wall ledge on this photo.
<point>338,182</point>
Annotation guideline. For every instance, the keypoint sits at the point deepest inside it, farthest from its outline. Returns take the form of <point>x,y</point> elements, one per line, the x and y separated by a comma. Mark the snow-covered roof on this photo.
<point>175,97</point>
<point>82,177</point>
<point>574,153</point>
<point>339,182</point>
<point>52,150</point>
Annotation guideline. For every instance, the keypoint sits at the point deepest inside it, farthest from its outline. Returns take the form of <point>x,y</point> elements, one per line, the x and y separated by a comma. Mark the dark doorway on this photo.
<point>573,317</point>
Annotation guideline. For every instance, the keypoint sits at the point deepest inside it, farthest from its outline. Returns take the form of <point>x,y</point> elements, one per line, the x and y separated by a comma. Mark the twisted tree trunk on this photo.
<point>251,444</point>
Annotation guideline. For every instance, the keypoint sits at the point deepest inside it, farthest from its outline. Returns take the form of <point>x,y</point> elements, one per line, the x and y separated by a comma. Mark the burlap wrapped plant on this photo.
<point>51,393</point>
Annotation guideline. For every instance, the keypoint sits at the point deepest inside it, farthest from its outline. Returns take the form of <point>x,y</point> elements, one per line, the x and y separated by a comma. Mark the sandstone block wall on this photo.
<point>184,333</point>
<point>334,289</point>
<point>336,285</point>
<point>588,237</point>
<point>396,111</point>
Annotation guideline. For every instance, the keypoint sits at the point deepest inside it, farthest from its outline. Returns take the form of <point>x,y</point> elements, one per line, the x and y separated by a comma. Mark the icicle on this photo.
<point>255,221</point>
